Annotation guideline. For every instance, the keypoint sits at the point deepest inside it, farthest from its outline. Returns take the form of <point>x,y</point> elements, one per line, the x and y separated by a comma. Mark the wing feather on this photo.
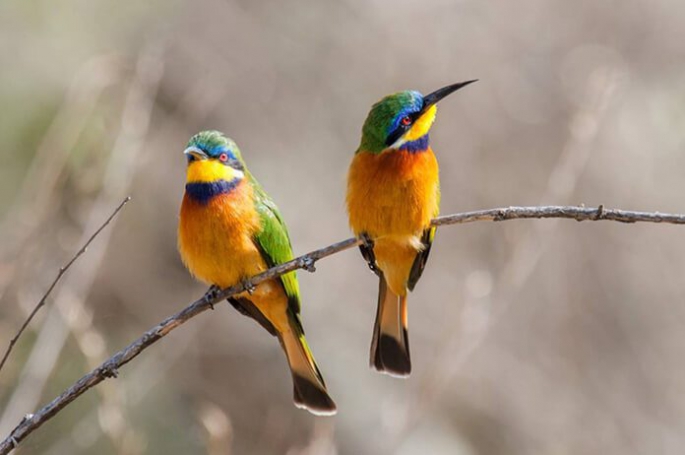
<point>274,244</point>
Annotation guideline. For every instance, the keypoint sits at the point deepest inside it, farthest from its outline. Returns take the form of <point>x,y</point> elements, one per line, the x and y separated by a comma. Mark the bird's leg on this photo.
<point>308,264</point>
<point>249,287</point>
<point>367,252</point>
<point>211,295</point>
<point>366,239</point>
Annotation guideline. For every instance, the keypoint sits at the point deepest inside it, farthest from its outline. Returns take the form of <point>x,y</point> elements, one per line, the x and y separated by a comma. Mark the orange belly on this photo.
<point>392,197</point>
<point>216,239</point>
<point>216,244</point>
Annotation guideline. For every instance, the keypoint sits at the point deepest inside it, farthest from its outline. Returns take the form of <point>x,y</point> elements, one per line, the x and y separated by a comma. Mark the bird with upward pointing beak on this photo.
<point>393,192</point>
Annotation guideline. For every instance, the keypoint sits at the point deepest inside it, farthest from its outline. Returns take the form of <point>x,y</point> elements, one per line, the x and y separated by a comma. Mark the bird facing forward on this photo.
<point>230,230</point>
<point>393,192</point>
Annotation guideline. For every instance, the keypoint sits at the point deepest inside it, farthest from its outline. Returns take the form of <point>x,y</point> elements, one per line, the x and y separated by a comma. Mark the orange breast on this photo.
<point>393,193</point>
<point>215,239</point>
<point>392,197</point>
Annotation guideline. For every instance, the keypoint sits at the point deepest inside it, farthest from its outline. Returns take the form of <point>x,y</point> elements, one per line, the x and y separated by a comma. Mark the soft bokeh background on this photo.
<point>528,337</point>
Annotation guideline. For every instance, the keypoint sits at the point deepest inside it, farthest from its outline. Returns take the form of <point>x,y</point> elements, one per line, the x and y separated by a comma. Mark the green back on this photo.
<point>274,242</point>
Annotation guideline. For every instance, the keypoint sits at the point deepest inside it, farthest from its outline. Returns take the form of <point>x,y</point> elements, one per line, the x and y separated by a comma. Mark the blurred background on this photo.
<point>528,337</point>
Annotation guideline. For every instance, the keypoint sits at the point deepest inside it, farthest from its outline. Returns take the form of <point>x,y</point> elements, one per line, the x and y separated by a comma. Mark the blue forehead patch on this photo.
<point>219,149</point>
<point>412,103</point>
<point>213,143</point>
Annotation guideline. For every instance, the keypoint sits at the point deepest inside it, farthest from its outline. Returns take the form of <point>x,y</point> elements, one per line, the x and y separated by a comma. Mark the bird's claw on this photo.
<point>211,295</point>
<point>110,371</point>
<point>248,286</point>
<point>366,240</point>
<point>308,264</point>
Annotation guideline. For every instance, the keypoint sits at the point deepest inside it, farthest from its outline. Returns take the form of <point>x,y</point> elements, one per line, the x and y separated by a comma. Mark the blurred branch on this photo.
<point>69,315</point>
<point>557,211</point>
<point>61,272</point>
<point>109,368</point>
<point>34,202</point>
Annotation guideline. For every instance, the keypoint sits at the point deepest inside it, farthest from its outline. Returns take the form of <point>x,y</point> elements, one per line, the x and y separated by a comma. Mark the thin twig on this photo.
<point>61,272</point>
<point>110,367</point>
<point>68,314</point>
<point>556,211</point>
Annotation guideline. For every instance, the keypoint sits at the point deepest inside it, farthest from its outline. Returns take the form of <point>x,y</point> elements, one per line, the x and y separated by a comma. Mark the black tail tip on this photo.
<point>391,357</point>
<point>313,397</point>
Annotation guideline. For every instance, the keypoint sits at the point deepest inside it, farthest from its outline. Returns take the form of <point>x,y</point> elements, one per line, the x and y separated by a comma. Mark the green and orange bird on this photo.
<point>393,192</point>
<point>230,230</point>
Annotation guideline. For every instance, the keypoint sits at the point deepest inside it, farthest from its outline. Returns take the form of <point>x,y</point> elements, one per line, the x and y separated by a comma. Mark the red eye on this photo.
<point>406,121</point>
<point>223,157</point>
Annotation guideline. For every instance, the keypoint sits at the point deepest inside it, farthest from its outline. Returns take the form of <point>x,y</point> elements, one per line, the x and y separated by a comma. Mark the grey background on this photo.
<point>528,337</point>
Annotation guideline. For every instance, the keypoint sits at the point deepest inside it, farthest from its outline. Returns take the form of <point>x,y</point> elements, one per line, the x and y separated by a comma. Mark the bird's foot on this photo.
<point>308,264</point>
<point>366,240</point>
<point>211,295</point>
<point>110,371</point>
<point>248,286</point>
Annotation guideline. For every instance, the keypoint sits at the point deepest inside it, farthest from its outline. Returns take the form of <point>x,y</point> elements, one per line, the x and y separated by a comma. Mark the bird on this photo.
<point>393,192</point>
<point>229,230</point>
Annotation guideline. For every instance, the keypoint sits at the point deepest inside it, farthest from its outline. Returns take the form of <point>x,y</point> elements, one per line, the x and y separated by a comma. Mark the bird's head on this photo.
<point>402,120</point>
<point>212,156</point>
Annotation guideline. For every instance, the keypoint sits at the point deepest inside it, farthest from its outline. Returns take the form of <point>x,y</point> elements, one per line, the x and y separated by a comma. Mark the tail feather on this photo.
<point>390,343</point>
<point>309,388</point>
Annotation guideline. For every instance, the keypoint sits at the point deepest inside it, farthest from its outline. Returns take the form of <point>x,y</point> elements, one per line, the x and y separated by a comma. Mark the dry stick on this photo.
<point>62,271</point>
<point>556,211</point>
<point>192,108</point>
<point>118,171</point>
<point>109,368</point>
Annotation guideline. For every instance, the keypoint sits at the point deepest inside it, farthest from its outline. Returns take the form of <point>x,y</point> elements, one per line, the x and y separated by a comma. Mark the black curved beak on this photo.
<point>441,93</point>
<point>194,153</point>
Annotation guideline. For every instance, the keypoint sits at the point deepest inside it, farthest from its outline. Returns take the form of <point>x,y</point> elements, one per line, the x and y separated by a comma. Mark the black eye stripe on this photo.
<point>395,135</point>
<point>401,128</point>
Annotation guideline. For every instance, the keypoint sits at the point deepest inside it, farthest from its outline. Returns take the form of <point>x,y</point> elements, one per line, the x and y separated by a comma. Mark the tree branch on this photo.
<point>556,211</point>
<point>62,271</point>
<point>109,368</point>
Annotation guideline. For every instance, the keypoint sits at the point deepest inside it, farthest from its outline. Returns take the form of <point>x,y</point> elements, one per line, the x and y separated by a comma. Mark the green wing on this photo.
<point>274,244</point>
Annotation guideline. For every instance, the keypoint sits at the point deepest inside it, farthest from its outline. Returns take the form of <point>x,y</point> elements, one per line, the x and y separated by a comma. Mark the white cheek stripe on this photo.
<point>399,142</point>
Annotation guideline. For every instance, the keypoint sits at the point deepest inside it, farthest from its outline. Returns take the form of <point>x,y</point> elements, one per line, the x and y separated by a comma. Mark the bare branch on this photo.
<point>110,367</point>
<point>556,211</point>
<point>62,271</point>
